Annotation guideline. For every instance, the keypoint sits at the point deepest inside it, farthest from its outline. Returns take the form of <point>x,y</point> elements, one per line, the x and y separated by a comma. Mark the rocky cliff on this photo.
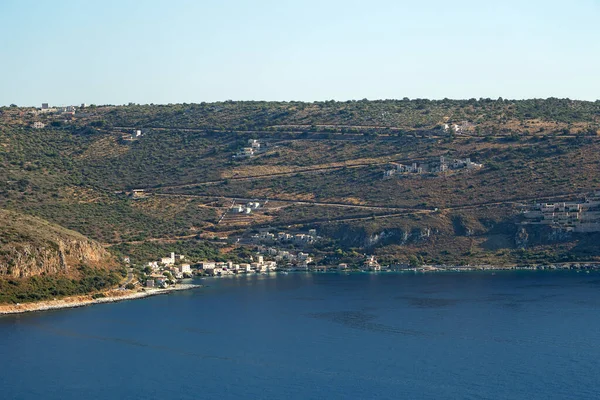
<point>30,247</point>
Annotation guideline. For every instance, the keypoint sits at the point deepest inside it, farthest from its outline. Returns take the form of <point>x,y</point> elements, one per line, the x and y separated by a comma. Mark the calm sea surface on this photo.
<point>511,335</point>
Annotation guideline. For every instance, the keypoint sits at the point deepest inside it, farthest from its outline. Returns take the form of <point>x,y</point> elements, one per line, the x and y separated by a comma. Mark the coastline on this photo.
<point>86,300</point>
<point>117,295</point>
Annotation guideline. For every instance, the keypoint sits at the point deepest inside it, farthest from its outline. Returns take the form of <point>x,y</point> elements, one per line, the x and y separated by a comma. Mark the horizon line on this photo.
<point>13,105</point>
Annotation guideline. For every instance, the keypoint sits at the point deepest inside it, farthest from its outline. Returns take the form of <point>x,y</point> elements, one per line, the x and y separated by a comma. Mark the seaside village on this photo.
<point>269,256</point>
<point>283,252</point>
<point>440,166</point>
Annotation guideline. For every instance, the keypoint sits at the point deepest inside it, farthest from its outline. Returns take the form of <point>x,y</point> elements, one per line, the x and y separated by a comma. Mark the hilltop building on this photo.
<point>245,152</point>
<point>463,127</point>
<point>254,147</point>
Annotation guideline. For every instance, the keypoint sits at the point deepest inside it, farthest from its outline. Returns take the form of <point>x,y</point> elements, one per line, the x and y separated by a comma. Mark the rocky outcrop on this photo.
<point>521,238</point>
<point>351,236</point>
<point>22,260</point>
<point>30,247</point>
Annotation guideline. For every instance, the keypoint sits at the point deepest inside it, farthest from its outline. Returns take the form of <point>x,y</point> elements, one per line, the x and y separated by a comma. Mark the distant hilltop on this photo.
<point>471,117</point>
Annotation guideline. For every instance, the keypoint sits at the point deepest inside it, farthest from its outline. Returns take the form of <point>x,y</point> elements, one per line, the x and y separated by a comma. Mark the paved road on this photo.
<point>301,202</point>
<point>539,198</point>
<point>129,278</point>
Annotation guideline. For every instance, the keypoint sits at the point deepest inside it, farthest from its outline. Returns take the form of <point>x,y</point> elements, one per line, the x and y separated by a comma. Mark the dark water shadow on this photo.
<point>128,342</point>
<point>540,285</point>
<point>362,321</point>
<point>428,302</point>
<point>308,298</point>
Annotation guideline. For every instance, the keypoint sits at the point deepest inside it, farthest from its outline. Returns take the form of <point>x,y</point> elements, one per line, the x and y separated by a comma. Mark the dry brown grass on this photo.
<point>81,195</point>
<point>106,147</point>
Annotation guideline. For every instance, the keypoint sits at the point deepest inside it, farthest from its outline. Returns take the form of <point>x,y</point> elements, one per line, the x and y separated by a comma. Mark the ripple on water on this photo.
<point>428,302</point>
<point>363,321</point>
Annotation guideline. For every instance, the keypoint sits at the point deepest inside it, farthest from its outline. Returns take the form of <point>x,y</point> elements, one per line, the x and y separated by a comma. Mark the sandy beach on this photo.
<point>86,300</point>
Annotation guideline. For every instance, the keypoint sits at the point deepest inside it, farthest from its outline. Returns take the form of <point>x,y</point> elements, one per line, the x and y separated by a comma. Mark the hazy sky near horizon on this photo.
<point>176,51</point>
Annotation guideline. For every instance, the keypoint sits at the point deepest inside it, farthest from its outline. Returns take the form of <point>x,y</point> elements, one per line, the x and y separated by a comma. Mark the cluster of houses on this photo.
<point>566,216</point>
<point>300,238</point>
<point>66,111</point>
<point>440,166</point>
<point>167,269</point>
<point>260,265</point>
<point>174,264</point>
<point>245,209</point>
<point>292,260</point>
<point>250,150</point>
<point>46,109</point>
<point>304,262</point>
<point>371,264</point>
<point>458,129</point>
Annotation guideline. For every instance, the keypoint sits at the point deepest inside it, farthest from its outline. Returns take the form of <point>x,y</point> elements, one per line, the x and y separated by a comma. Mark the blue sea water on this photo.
<point>508,335</point>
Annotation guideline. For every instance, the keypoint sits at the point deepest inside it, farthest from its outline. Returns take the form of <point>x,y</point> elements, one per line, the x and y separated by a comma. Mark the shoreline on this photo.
<point>86,300</point>
<point>566,266</point>
<point>117,295</point>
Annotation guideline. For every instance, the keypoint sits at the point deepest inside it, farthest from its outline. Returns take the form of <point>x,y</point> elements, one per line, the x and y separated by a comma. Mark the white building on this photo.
<point>372,264</point>
<point>388,173</point>
<point>38,125</point>
<point>246,152</point>
<point>253,205</point>
<point>245,267</point>
<point>207,265</point>
<point>168,260</point>
<point>185,269</point>
<point>413,168</point>
<point>471,165</point>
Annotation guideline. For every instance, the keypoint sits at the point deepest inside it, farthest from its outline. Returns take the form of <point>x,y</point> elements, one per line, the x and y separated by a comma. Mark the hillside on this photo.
<point>318,165</point>
<point>40,260</point>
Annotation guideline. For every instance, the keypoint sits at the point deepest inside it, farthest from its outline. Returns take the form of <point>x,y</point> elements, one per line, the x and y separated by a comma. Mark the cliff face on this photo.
<point>353,236</point>
<point>30,246</point>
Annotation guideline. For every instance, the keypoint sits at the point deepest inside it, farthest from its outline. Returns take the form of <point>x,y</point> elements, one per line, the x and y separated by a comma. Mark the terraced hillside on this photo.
<point>319,165</point>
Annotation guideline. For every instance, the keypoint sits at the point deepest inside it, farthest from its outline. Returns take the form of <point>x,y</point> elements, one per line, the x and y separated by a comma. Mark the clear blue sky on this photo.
<point>151,51</point>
